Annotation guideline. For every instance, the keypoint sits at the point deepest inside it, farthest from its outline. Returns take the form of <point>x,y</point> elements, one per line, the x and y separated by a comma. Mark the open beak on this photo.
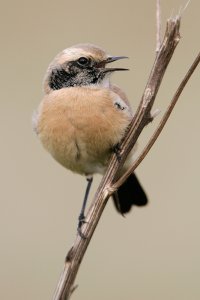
<point>110,59</point>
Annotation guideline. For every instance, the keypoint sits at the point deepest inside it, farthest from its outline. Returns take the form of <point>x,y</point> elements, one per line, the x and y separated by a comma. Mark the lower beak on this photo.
<point>109,60</point>
<point>106,70</point>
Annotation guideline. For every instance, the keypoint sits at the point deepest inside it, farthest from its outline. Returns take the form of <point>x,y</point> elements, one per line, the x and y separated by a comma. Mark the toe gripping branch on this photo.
<point>81,218</point>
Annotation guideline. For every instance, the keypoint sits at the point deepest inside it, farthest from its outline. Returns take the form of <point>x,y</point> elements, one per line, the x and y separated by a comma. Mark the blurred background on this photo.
<point>151,254</point>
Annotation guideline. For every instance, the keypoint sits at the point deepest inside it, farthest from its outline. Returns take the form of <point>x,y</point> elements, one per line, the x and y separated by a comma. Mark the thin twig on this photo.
<point>160,127</point>
<point>182,10</point>
<point>158,26</point>
<point>140,120</point>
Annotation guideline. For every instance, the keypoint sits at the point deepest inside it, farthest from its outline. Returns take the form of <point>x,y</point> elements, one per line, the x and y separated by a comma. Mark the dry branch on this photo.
<point>107,186</point>
<point>160,127</point>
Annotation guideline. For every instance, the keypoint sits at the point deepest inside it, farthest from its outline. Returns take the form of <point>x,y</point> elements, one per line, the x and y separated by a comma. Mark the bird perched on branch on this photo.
<point>83,117</point>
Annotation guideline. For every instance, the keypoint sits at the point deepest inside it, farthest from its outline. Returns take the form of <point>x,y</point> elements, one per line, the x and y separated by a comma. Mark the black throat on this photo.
<point>74,76</point>
<point>59,79</point>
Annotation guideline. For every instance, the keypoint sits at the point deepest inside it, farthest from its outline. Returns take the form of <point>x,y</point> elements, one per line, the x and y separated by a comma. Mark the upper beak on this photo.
<point>110,59</point>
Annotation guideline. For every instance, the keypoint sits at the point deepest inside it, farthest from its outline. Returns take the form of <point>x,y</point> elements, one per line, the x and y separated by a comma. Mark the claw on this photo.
<point>117,150</point>
<point>80,224</point>
<point>81,234</point>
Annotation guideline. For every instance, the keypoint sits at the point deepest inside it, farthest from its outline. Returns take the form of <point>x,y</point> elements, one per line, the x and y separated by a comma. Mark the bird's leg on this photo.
<point>81,219</point>
<point>116,150</point>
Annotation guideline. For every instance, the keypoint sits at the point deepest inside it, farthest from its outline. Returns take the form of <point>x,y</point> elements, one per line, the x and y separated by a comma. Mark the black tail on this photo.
<point>130,193</point>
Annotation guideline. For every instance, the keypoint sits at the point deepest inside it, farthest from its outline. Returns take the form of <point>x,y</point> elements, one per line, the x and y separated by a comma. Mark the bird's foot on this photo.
<point>117,150</point>
<point>81,221</point>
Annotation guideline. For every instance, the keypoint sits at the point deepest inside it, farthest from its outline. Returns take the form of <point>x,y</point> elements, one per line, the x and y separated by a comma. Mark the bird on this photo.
<point>83,117</point>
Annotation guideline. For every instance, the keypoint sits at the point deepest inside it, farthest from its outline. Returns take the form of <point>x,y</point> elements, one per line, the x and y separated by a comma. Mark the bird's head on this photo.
<point>80,65</point>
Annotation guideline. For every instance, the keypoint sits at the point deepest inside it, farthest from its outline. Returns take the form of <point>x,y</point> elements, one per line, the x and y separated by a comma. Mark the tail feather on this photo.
<point>130,193</point>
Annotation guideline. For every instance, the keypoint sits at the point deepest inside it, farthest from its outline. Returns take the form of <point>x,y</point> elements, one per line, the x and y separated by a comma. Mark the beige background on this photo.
<point>153,253</point>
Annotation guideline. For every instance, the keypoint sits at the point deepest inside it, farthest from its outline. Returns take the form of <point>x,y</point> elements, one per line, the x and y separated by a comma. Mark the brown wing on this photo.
<point>122,95</point>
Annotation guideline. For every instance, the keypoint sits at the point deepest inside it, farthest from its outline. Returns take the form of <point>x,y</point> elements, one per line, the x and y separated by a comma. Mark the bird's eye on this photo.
<point>83,61</point>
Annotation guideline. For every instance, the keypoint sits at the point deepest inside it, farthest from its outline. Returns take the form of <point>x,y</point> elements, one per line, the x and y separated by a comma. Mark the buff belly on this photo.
<point>80,127</point>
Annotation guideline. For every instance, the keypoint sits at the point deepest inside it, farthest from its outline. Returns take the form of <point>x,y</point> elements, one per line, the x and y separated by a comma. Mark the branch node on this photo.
<point>147,97</point>
<point>73,288</point>
<point>69,255</point>
<point>155,113</point>
<point>111,189</point>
